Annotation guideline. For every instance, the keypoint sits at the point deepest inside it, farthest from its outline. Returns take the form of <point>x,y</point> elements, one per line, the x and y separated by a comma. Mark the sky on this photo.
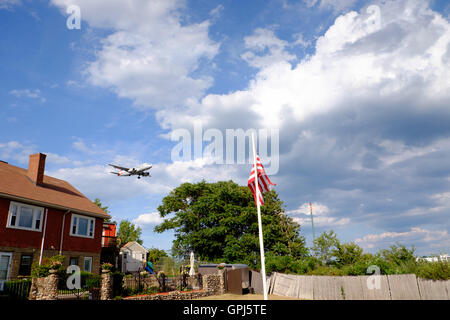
<point>358,91</point>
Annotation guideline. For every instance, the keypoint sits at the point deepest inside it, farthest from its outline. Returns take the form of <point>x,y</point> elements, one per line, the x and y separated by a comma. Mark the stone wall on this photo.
<point>213,284</point>
<point>173,295</point>
<point>44,288</point>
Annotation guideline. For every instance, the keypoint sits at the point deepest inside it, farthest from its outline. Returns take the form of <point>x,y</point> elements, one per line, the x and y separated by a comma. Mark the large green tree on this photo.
<point>218,221</point>
<point>128,232</point>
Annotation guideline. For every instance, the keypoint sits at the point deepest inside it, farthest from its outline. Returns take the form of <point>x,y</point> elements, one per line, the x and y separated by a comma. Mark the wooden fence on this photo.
<point>382,287</point>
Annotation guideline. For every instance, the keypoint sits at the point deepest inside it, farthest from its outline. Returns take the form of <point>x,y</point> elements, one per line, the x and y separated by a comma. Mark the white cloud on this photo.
<point>28,93</point>
<point>15,151</point>
<point>151,57</point>
<point>265,49</point>
<point>336,5</point>
<point>438,239</point>
<point>8,4</point>
<point>322,216</point>
<point>148,219</point>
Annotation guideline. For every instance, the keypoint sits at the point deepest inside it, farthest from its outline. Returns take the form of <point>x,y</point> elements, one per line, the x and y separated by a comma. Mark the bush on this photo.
<point>39,271</point>
<point>117,278</point>
<point>433,270</point>
<point>93,281</point>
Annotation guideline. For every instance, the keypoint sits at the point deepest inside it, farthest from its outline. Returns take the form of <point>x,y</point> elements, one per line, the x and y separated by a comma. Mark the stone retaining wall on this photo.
<point>213,284</point>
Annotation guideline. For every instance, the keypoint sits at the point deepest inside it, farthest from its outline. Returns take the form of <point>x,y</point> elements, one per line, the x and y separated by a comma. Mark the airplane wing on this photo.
<point>114,173</point>
<point>119,167</point>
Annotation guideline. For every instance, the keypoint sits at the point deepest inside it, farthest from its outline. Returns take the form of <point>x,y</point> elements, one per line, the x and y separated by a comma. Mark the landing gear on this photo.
<point>139,177</point>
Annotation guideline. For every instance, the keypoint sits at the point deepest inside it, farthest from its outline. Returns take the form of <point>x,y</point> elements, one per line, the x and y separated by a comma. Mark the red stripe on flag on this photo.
<point>263,181</point>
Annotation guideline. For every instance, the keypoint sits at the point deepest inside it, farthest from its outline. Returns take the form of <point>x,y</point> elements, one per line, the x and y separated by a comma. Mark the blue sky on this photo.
<point>362,105</point>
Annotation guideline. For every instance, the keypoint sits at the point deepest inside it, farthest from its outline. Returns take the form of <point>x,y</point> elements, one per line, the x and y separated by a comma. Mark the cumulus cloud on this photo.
<point>265,49</point>
<point>146,58</point>
<point>148,220</point>
<point>322,216</point>
<point>438,240</point>
<point>13,150</point>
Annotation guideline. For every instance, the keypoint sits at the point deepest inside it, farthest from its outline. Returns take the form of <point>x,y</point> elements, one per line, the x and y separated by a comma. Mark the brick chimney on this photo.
<point>36,167</point>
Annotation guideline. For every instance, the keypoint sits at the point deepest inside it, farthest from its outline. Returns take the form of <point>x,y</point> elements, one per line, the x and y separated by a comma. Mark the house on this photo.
<point>110,251</point>
<point>132,255</point>
<point>41,216</point>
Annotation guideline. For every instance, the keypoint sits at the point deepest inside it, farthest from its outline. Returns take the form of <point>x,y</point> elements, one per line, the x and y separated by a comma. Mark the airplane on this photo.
<point>138,171</point>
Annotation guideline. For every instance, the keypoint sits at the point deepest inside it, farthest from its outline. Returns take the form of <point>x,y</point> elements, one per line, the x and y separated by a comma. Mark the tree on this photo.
<point>325,245</point>
<point>155,254</point>
<point>128,232</point>
<point>347,253</point>
<point>218,221</point>
<point>104,208</point>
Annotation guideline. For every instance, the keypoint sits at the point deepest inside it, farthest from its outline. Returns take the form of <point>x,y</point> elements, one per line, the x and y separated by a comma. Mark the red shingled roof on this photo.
<point>56,193</point>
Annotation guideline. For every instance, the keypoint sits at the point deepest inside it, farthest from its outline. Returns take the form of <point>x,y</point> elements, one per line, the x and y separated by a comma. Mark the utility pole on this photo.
<point>312,221</point>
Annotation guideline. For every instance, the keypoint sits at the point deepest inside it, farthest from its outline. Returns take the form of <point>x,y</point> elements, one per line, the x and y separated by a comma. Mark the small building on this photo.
<point>212,269</point>
<point>132,255</point>
<point>42,216</point>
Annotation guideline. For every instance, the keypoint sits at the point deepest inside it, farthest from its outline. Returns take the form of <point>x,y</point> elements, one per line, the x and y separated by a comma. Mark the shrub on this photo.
<point>433,270</point>
<point>93,281</point>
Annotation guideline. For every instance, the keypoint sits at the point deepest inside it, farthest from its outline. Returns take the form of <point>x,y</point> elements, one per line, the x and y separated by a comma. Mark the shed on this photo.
<point>212,268</point>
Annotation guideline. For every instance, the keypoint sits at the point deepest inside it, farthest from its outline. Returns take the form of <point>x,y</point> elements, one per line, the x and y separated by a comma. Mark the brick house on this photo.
<point>41,216</point>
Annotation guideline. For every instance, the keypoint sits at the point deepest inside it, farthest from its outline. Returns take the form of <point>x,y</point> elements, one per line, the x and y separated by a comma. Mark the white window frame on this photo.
<point>88,229</point>
<point>90,264</point>
<point>34,209</point>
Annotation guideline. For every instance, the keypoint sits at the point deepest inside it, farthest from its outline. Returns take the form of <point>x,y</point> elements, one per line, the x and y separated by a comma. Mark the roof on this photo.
<point>56,193</point>
<point>133,245</point>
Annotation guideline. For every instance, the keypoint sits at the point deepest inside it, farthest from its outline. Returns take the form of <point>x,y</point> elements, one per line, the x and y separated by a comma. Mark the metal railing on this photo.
<point>16,289</point>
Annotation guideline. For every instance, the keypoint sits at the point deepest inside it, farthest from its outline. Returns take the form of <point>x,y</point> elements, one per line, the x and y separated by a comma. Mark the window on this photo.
<point>73,261</point>
<point>125,256</point>
<point>88,264</point>
<point>24,216</point>
<point>25,265</point>
<point>82,226</point>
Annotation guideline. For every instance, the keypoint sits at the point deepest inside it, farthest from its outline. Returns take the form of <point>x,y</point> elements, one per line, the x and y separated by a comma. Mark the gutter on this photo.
<point>62,232</point>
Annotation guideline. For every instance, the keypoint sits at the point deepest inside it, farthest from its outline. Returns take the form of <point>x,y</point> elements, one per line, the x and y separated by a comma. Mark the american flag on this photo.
<point>263,181</point>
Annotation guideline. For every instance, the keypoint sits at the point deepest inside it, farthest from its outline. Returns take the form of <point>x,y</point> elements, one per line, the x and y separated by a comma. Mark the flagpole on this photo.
<point>258,205</point>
